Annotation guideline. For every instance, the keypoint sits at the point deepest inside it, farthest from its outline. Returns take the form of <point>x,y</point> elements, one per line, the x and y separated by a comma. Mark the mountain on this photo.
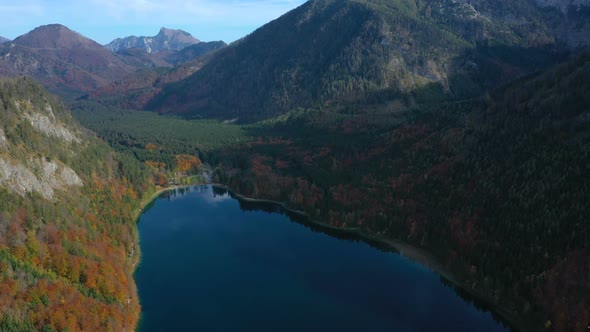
<point>140,58</point>
<point>137,89</point>
<point>62,60</point>
<point>494,187</point>
<point>329,51</point>
<point>192,52</point>
<point>3,40</point>
<point>67,223</point>
<point>165,40</point>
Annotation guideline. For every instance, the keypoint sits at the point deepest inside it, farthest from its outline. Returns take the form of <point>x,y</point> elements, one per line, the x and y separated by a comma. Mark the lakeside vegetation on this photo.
<point>385,116</point>
<point>65,261</point>
<point>484,184</point>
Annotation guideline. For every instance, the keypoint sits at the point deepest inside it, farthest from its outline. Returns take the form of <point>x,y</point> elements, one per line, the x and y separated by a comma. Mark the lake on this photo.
<point>212,263</point>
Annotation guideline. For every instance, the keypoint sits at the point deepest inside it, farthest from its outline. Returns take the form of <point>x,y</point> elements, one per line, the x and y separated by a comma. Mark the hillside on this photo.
<point>192,52</point>
<point>494,187</point>
<point>67,228</point>
<point>165,40</point>
<point>327,52</point>
<point>137,89</point>
<point>140,58</point>
<point>62,60</point>
<point>3,40</point>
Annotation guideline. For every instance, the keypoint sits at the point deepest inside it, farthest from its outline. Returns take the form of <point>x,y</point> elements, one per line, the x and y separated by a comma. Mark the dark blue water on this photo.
<point>210,264</point>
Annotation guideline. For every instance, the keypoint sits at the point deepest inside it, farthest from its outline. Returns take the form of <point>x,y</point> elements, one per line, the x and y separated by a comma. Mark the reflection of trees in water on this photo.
<point>219,191</point>
<point>474,301</point>
<point>341,234</point>
<point>348,235</point>
<point>181,191</point>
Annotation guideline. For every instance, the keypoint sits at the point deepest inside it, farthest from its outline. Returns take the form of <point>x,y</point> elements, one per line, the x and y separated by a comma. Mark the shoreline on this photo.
<point>137,214</point>
<point>418,255</point>
<point>413,253</point>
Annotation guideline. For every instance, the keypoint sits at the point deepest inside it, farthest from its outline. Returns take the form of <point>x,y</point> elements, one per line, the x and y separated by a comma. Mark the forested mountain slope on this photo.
<point>192,52</point>
<point>496,187</point>
<point>62,60</point>
<point>327,52</point>
<point>72,65</point>
<point>136,90</point>
<point>67,228</point>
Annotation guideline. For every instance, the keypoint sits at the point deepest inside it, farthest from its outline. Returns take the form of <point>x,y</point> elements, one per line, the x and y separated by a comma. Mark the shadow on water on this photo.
<point>273,207</point>
<point>341,234</point>
<point>478,303</point>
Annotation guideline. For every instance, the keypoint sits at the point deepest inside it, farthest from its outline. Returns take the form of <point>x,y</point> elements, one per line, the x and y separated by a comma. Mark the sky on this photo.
<point>105,20</point>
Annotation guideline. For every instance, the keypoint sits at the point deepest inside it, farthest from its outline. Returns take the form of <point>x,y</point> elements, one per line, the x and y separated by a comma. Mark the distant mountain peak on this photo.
<point>61,59</point>
<point>327,52</point>
<point>53,36</point>
<point>165,40</point>
<point>3,40</point>
<point>164,30</point>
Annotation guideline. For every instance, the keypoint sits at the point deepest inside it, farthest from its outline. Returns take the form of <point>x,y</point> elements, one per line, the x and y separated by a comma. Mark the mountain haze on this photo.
<point>165,40</point>
<point>3,40</point>
<point>329,51</point>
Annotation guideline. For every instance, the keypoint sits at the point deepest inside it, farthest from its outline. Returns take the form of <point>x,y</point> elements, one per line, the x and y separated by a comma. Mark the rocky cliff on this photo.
<point>165,40</point>
<point>26,119</point>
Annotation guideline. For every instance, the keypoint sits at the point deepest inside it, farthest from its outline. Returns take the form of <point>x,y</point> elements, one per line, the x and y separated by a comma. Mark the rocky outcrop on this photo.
<point>46,122</point>
<point>51,128</point>
<point>35,134</point>
<point>165,40</point>
<point>3,141</point>
<point>51,176</point>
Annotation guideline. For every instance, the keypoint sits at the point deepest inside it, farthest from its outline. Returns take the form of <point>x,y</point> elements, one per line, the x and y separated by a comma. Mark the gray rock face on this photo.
<point>70,178</point>
<point>24,166</point>
<point>46,122</point>
<point>21,179</point>
<point>51,128</point>
<point>3,141</point>
<point>165,40</point>
<point>37,174</point>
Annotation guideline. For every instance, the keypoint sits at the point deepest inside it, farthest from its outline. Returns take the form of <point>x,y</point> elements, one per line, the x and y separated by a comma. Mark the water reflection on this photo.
<point>214,196</point>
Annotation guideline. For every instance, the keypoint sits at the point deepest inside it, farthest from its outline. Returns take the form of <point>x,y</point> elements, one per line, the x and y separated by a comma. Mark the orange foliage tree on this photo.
<point>187,163</point>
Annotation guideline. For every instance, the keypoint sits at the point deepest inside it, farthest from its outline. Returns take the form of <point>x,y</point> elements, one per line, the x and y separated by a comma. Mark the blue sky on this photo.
<point>105,20</point>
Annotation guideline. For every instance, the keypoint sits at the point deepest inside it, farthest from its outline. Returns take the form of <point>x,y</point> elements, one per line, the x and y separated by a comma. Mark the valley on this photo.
<point>458,130</point>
